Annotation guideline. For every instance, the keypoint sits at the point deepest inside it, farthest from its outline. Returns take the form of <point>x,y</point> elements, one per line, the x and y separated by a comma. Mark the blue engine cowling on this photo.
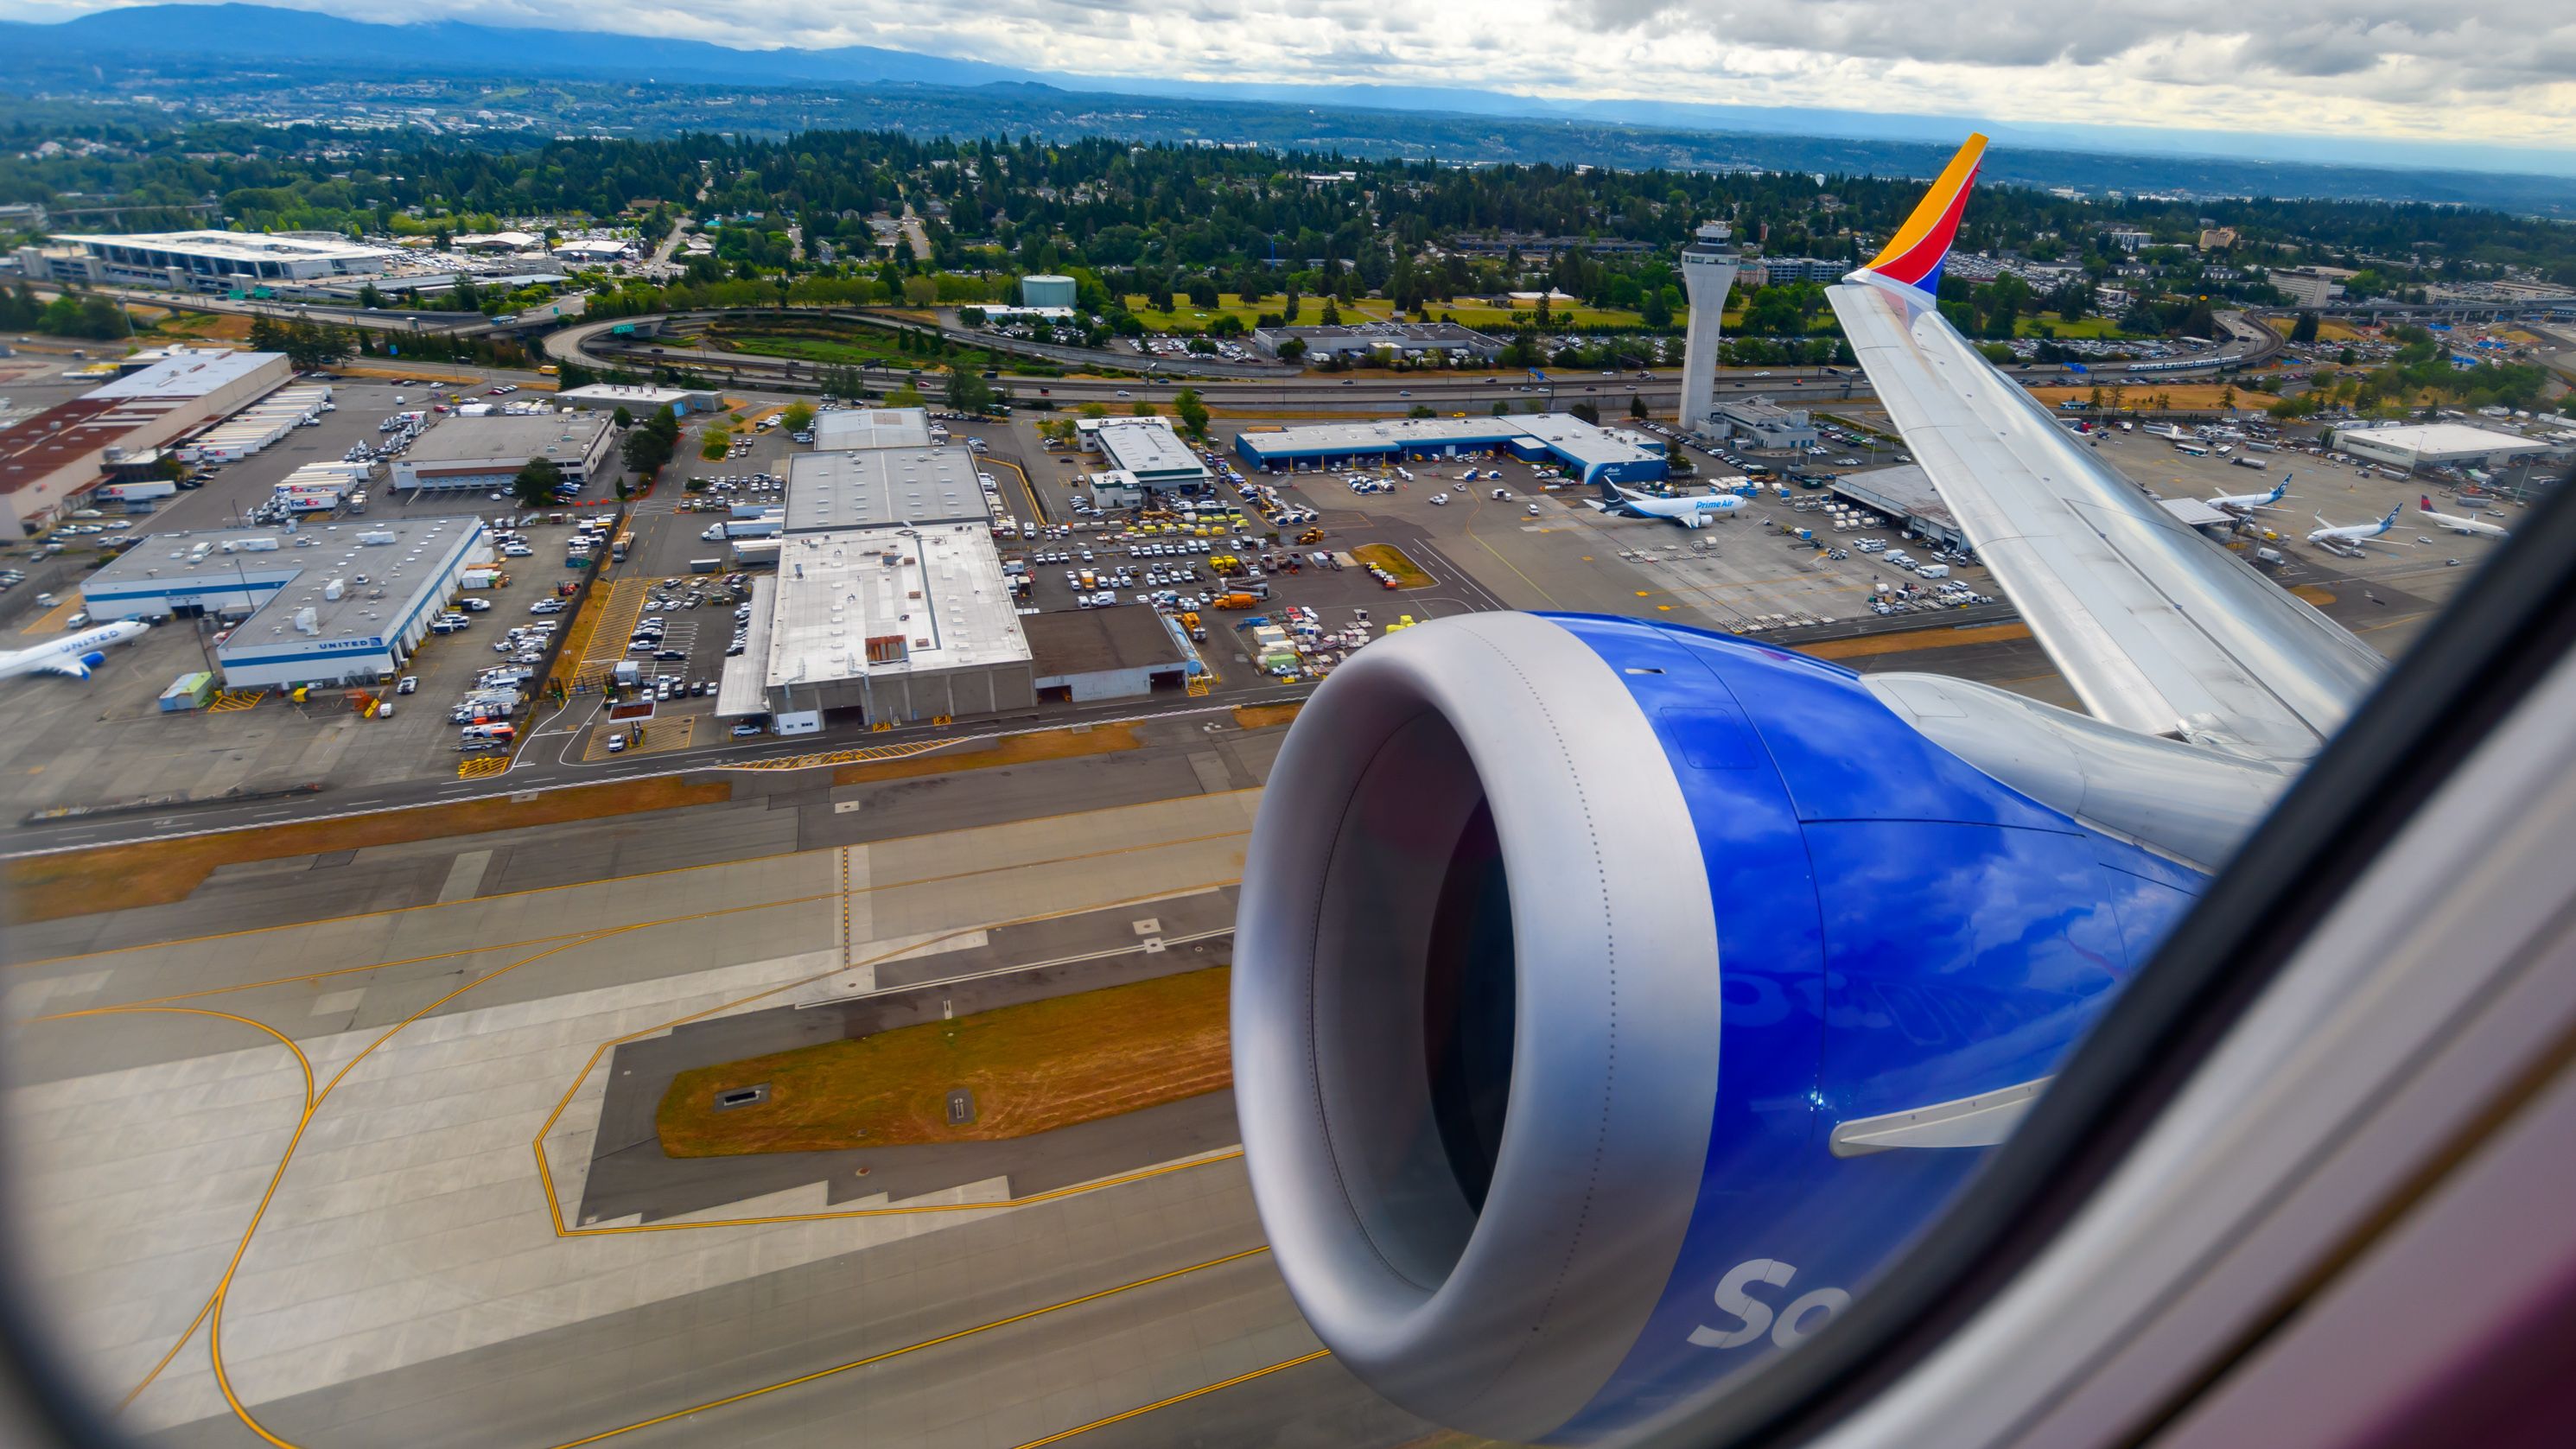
<point>93,659</point>
<point>1567,944</point>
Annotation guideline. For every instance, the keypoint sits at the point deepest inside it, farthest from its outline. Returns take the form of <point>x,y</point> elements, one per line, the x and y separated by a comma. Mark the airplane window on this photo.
<point>1591,802</point>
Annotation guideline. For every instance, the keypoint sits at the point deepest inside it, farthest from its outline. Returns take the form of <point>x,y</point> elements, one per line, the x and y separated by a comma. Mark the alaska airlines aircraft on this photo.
<point>2458,523</point>
<point>1612,997</point>
<point>75,654</point>
<point>2250,502</point>
<point>1689,512</point>
<point>2350,535</point>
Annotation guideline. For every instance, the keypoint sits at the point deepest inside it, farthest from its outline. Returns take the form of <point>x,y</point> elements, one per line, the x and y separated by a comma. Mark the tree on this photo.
<point>1141,408</point>
<point>622,417</point>
<point>1583,410</point>
<point>1192,411</point>
<point>369,297</point>
<point>1292,349</point>
<point>1636,405</point>
<point>971,317</point>
<point>2305,328</point>
<point>906,396</point>
<point>797,417</point>
<point>645,451</point>
<point>967,390</point>
<point>1421,410</point>
<point>1501,408</point>
<point>664,424</point>
<point>535,484</point>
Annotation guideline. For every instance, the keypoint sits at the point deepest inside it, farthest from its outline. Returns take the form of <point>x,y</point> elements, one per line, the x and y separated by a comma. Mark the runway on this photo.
<point>336,1134</point>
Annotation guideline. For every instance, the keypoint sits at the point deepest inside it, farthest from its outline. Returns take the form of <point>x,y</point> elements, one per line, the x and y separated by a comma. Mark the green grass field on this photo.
<point>861,348</point>
<point>2098,328</point>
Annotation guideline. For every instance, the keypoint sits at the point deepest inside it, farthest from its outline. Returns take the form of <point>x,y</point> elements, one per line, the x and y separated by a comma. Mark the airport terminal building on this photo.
<point>1592,454</point>
<point>2430,445</point>
<point>339,604</point>
<point>485,453</point>
<point>203,261</point>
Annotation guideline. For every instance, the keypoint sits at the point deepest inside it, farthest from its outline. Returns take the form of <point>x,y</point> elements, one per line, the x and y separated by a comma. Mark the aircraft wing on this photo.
<point>2157,628</point>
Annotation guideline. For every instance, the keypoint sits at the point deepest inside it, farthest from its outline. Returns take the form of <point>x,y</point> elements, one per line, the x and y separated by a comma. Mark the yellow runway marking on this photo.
<point>645,875</point>
<point>478,766</point>
<point>866,755</point>
<point>945,1338</point>
<point>51,621</point>
<point>1180,1398</point>
<point>310,1101</point>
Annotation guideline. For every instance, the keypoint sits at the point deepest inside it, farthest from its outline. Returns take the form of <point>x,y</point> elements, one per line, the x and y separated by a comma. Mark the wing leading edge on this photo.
<point>2158,629</point>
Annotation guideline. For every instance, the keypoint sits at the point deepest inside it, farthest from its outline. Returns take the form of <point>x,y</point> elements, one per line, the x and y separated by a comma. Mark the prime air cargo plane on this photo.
<point>75,655</point>
<point>1689,512</point>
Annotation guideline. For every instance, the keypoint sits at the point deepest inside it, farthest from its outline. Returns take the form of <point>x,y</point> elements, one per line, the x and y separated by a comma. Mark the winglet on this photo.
<point>1914,255</point>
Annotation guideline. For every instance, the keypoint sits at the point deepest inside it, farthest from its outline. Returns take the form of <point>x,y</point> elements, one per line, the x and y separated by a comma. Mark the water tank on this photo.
<point>1047,291</point>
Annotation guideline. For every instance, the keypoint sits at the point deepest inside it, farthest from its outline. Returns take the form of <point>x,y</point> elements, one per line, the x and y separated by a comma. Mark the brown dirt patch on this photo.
<point>1262,716</point>
<point>158,872</point>
<point>1033,1067</point>
<point>1911,639</point>
<point>1025,749</point>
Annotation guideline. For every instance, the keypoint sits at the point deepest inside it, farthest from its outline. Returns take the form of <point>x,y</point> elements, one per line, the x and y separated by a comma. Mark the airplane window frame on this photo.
<point>2474,665</point>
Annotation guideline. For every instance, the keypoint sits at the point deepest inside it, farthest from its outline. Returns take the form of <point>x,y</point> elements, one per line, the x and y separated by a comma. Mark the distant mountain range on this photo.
<point>205,35</point>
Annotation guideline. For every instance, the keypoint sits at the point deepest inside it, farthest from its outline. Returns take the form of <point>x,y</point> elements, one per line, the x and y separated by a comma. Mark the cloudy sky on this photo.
<point>2492,72</point>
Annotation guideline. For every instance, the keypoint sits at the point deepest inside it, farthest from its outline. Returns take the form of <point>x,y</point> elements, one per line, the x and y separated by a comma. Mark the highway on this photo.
<point>594,344</point>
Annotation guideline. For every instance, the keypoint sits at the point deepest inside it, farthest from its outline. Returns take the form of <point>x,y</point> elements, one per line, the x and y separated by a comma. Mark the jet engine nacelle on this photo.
<point>1611,998</point>
<point>93,659</point>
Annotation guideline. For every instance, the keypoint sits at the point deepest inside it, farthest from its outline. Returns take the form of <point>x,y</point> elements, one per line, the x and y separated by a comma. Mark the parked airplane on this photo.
<point>75,654</point>
<point>2350,535</point>
<point>2251,502</point>
<point>1689,512</point>
<point>1480,1001</point>
<point>2457,524</point>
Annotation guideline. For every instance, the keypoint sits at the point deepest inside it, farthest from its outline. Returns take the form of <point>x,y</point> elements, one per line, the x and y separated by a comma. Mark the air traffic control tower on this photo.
<point>1708,271</point>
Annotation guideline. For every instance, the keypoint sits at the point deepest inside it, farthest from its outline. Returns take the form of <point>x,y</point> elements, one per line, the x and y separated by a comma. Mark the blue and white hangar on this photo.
<point>1591,453</point>
<point>340,604</point>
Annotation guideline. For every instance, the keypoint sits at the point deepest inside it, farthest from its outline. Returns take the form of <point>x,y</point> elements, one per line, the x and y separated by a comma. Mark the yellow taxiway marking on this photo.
<point>945,1338</point>
<point>545,1168</point>
<point>310,1101</point>
<point>1180,1398</point>
<point>51,621</point>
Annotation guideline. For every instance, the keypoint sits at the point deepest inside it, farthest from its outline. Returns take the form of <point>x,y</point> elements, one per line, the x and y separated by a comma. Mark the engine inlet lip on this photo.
<point>1615,1044</point>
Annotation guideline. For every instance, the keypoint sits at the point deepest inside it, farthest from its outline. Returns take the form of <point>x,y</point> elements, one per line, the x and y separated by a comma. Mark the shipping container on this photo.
<point>188,691</point>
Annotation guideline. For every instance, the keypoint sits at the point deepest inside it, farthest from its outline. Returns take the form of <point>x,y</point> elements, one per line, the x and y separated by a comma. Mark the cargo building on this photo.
<point>336,604</point>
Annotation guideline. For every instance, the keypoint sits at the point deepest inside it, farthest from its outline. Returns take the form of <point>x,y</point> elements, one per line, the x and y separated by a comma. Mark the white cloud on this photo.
<point>2501,72</point>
